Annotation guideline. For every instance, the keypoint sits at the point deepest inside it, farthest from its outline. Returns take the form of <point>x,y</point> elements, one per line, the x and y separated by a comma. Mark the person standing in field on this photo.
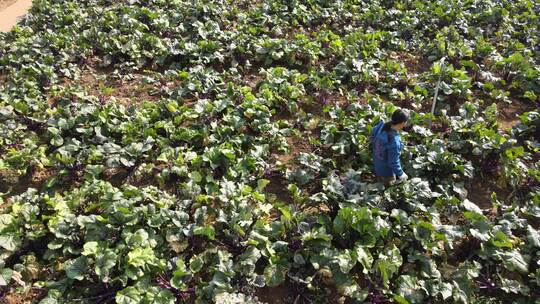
<point>387,146</point>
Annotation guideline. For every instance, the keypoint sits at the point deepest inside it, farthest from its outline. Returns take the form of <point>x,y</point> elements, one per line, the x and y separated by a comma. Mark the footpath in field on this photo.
<point>10,11</point>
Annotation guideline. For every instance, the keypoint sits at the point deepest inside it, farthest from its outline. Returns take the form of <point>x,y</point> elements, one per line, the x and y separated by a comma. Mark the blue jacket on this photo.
<point>386,150</point>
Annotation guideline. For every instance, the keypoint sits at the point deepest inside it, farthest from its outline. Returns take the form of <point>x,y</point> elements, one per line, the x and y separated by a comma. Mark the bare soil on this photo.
<point>32,296</point>
<point>126,92</point>
<point>481,189</point>
<point>297,145</point>
<point>509,113</point>
<point>414,63</point>
<point>15,185</point>
<point>274,295</point>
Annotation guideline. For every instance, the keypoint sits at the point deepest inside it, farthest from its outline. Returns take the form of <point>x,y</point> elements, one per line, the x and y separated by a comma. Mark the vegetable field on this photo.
<point>217,151</point>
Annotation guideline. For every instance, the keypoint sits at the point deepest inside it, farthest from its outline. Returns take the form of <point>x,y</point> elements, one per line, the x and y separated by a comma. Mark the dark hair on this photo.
<point>397,117</point>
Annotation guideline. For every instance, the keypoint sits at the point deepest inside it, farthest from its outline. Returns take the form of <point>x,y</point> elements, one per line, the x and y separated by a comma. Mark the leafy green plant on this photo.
<point>232,159</point>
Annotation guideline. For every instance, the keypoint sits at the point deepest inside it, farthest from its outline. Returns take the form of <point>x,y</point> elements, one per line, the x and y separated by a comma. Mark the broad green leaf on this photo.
<point>139,257</point>
<point>195,176</point>
<point>410,288</point>
<point>172,106</point>
<point>533,236</point>
<point>10,242</point>
<point>105,261</point>
<point>207,231</point>
<point>348,287</point>
<point>6,220</point>
<point>423,230</point>
<point>470,206</point>
<point>345,261</point>
<point>247,260</point>
<point>274,275</point>
<point>180,272</point>
<point>159,297</point>
<point>460,293</point>
<point>515,261</point>
<point>400,299</point>
<point>90,248</point>
<point>196,263</point>
<point>129,295</point>
<point>444,289</point>
<point>388,264</point>
<point>77,269</point>
<point>261,184</point>
<point>500,240</point>
<point>299,259</point>
<point>5,276</point>
<point>220,280</point>
<point>364,257</point>
<point>513,286</point>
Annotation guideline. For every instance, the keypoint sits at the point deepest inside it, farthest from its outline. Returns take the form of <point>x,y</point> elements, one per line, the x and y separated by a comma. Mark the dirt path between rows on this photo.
<point>10,11</point>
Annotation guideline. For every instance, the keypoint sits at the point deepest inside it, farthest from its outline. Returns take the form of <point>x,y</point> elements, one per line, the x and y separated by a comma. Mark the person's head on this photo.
<point>399,119</point>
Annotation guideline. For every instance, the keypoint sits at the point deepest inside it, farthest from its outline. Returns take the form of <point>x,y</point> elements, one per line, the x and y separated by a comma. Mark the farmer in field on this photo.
<point>387,147</point>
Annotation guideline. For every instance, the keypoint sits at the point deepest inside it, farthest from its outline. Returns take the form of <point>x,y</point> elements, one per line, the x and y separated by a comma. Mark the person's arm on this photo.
<point>393,159</point>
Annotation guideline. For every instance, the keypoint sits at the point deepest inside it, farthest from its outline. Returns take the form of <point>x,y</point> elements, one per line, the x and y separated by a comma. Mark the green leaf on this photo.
<point>533,236</point>
<point>400,299</point>
<point>90,248</point>
<point>220,280</point>
<point>299,259</point>
<point>6,220</point>
<point>195,176</point>
<point>460,293</point>
<point>470,206</point>
<point>172,106</point>
<point>513,286</point>
<point>340,221</point>
<point>423,230</point>
<point>247,260</point>
<point>410,288</point>
<point>345,261</point>
<point>444,289</point>
<point>104,263</point>
<point>348,287</point>
<point>196,263</point>
<point>139,257</point>
<point>285,213</point>
<point>159,296</point>
<point>459,188</point>
<point>274,275</point>
<point>364,257</point>
<point>5,276</point>
<point>500,240</point>
<point>129,295</point>
<point>261,184</point>
<point>76,269</point>
<point>180,272</point>
<point>10,242</point>
<point>207,231</point>
<point>515,261</point>
<point>388,264</point>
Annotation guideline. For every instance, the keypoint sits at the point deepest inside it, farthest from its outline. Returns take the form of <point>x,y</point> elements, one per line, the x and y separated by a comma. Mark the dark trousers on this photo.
<point>386,180</point>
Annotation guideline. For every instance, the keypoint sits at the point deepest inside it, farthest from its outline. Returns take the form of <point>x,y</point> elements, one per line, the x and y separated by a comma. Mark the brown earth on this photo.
<point>126,92</point>
<point>32,296</point>
<point>481,189</point>
<point>276,295</point>
<point>509,113</point>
